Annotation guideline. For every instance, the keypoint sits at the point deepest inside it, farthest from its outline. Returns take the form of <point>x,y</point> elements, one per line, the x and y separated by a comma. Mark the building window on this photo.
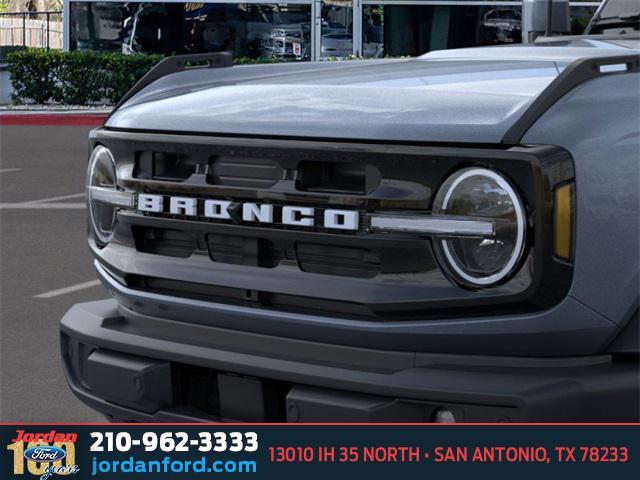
<point>336,28</point>
<point>397,30</point>
<point>275,31</point>
<point>415,29</point>
<point>304,30</point>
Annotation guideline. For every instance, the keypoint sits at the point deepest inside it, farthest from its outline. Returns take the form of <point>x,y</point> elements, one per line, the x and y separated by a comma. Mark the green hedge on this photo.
<point>74,78</point>
<point>5,50</point>
<point>79,78</point>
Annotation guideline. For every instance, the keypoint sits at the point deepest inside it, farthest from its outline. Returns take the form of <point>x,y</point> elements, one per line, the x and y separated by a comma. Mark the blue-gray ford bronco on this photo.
<point>449,238</point>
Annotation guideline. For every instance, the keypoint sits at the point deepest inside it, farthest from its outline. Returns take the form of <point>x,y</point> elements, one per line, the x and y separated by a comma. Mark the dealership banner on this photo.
<point>201,451</point>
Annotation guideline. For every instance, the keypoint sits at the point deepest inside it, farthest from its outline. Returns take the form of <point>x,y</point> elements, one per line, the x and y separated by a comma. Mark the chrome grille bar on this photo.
<point>445,226</point>
<point>111,196</point>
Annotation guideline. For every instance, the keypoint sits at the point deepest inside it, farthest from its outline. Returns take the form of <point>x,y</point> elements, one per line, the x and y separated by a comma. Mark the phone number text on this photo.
<point>175,441</point>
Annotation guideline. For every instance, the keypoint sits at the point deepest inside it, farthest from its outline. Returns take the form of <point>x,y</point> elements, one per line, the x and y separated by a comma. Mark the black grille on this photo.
<point>386,257</point>
<point>254,251</point>
<point>256,172</point>
<point>311,268</point>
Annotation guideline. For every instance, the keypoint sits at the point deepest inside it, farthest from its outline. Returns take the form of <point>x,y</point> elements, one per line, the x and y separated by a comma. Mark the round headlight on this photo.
<point>482,260</point>
<point>101,174</point>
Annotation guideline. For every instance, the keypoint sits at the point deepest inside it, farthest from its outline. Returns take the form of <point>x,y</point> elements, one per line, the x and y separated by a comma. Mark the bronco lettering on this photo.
<point>249,212</point>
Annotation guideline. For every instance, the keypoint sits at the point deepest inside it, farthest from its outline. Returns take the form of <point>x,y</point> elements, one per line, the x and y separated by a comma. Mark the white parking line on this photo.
<point>42,206</point>
<point>46,204</point>
<point>71,289</point>
<point>53,199</point>
<point>5,170</point>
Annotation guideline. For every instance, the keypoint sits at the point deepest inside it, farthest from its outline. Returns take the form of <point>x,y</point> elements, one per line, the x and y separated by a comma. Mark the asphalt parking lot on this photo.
<point>45,267</point>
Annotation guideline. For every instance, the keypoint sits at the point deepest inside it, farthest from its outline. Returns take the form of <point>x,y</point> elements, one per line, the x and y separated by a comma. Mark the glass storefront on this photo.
<point>278,31</point>
<point>337,28</point>
<point>396,30</point>
<point>300,29</point>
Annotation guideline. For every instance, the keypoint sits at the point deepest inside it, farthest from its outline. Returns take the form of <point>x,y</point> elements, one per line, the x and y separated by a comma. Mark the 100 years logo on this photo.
<point>44,453</point>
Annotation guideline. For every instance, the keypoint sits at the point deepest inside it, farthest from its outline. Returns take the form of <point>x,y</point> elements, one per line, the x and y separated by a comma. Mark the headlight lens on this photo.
<point>101,174</point>
<point>483,260</point>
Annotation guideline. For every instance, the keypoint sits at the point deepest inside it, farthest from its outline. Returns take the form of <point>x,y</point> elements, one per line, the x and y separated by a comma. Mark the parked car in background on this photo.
<point>500,25</point>
<point>337,45</point>
<point>287,42</point>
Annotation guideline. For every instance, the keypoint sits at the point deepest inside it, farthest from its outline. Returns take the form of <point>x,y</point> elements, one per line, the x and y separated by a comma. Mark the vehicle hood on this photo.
<point>467,95</point>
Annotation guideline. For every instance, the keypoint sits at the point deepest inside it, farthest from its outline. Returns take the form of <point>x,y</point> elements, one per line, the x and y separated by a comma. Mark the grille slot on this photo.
<point>167,242</point>
<point>352,178</point>
<point>342,261</point>
<point>197,291</point>
<point>244,172</point>
<point>243,251</point>
<point>169,167</point>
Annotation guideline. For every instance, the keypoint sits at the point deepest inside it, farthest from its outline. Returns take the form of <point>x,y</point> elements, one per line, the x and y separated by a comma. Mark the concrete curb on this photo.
<point>52,118</point>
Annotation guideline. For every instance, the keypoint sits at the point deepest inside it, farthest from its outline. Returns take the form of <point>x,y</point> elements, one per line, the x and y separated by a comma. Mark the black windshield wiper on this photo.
<point>630,18</point>
<point>616,22</point>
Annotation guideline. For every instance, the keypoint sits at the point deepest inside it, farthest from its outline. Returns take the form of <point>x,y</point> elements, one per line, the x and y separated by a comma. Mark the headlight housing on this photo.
<point>101,179</point>
<point>482,260</point>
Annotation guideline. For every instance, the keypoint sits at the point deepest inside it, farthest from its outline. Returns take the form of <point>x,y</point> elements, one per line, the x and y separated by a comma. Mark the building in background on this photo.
<point>30,23</point>
<point>30,5</point>
<point>297,29</point>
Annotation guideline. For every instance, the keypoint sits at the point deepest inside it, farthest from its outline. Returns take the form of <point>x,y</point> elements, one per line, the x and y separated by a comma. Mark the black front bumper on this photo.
<point>133,367</point>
